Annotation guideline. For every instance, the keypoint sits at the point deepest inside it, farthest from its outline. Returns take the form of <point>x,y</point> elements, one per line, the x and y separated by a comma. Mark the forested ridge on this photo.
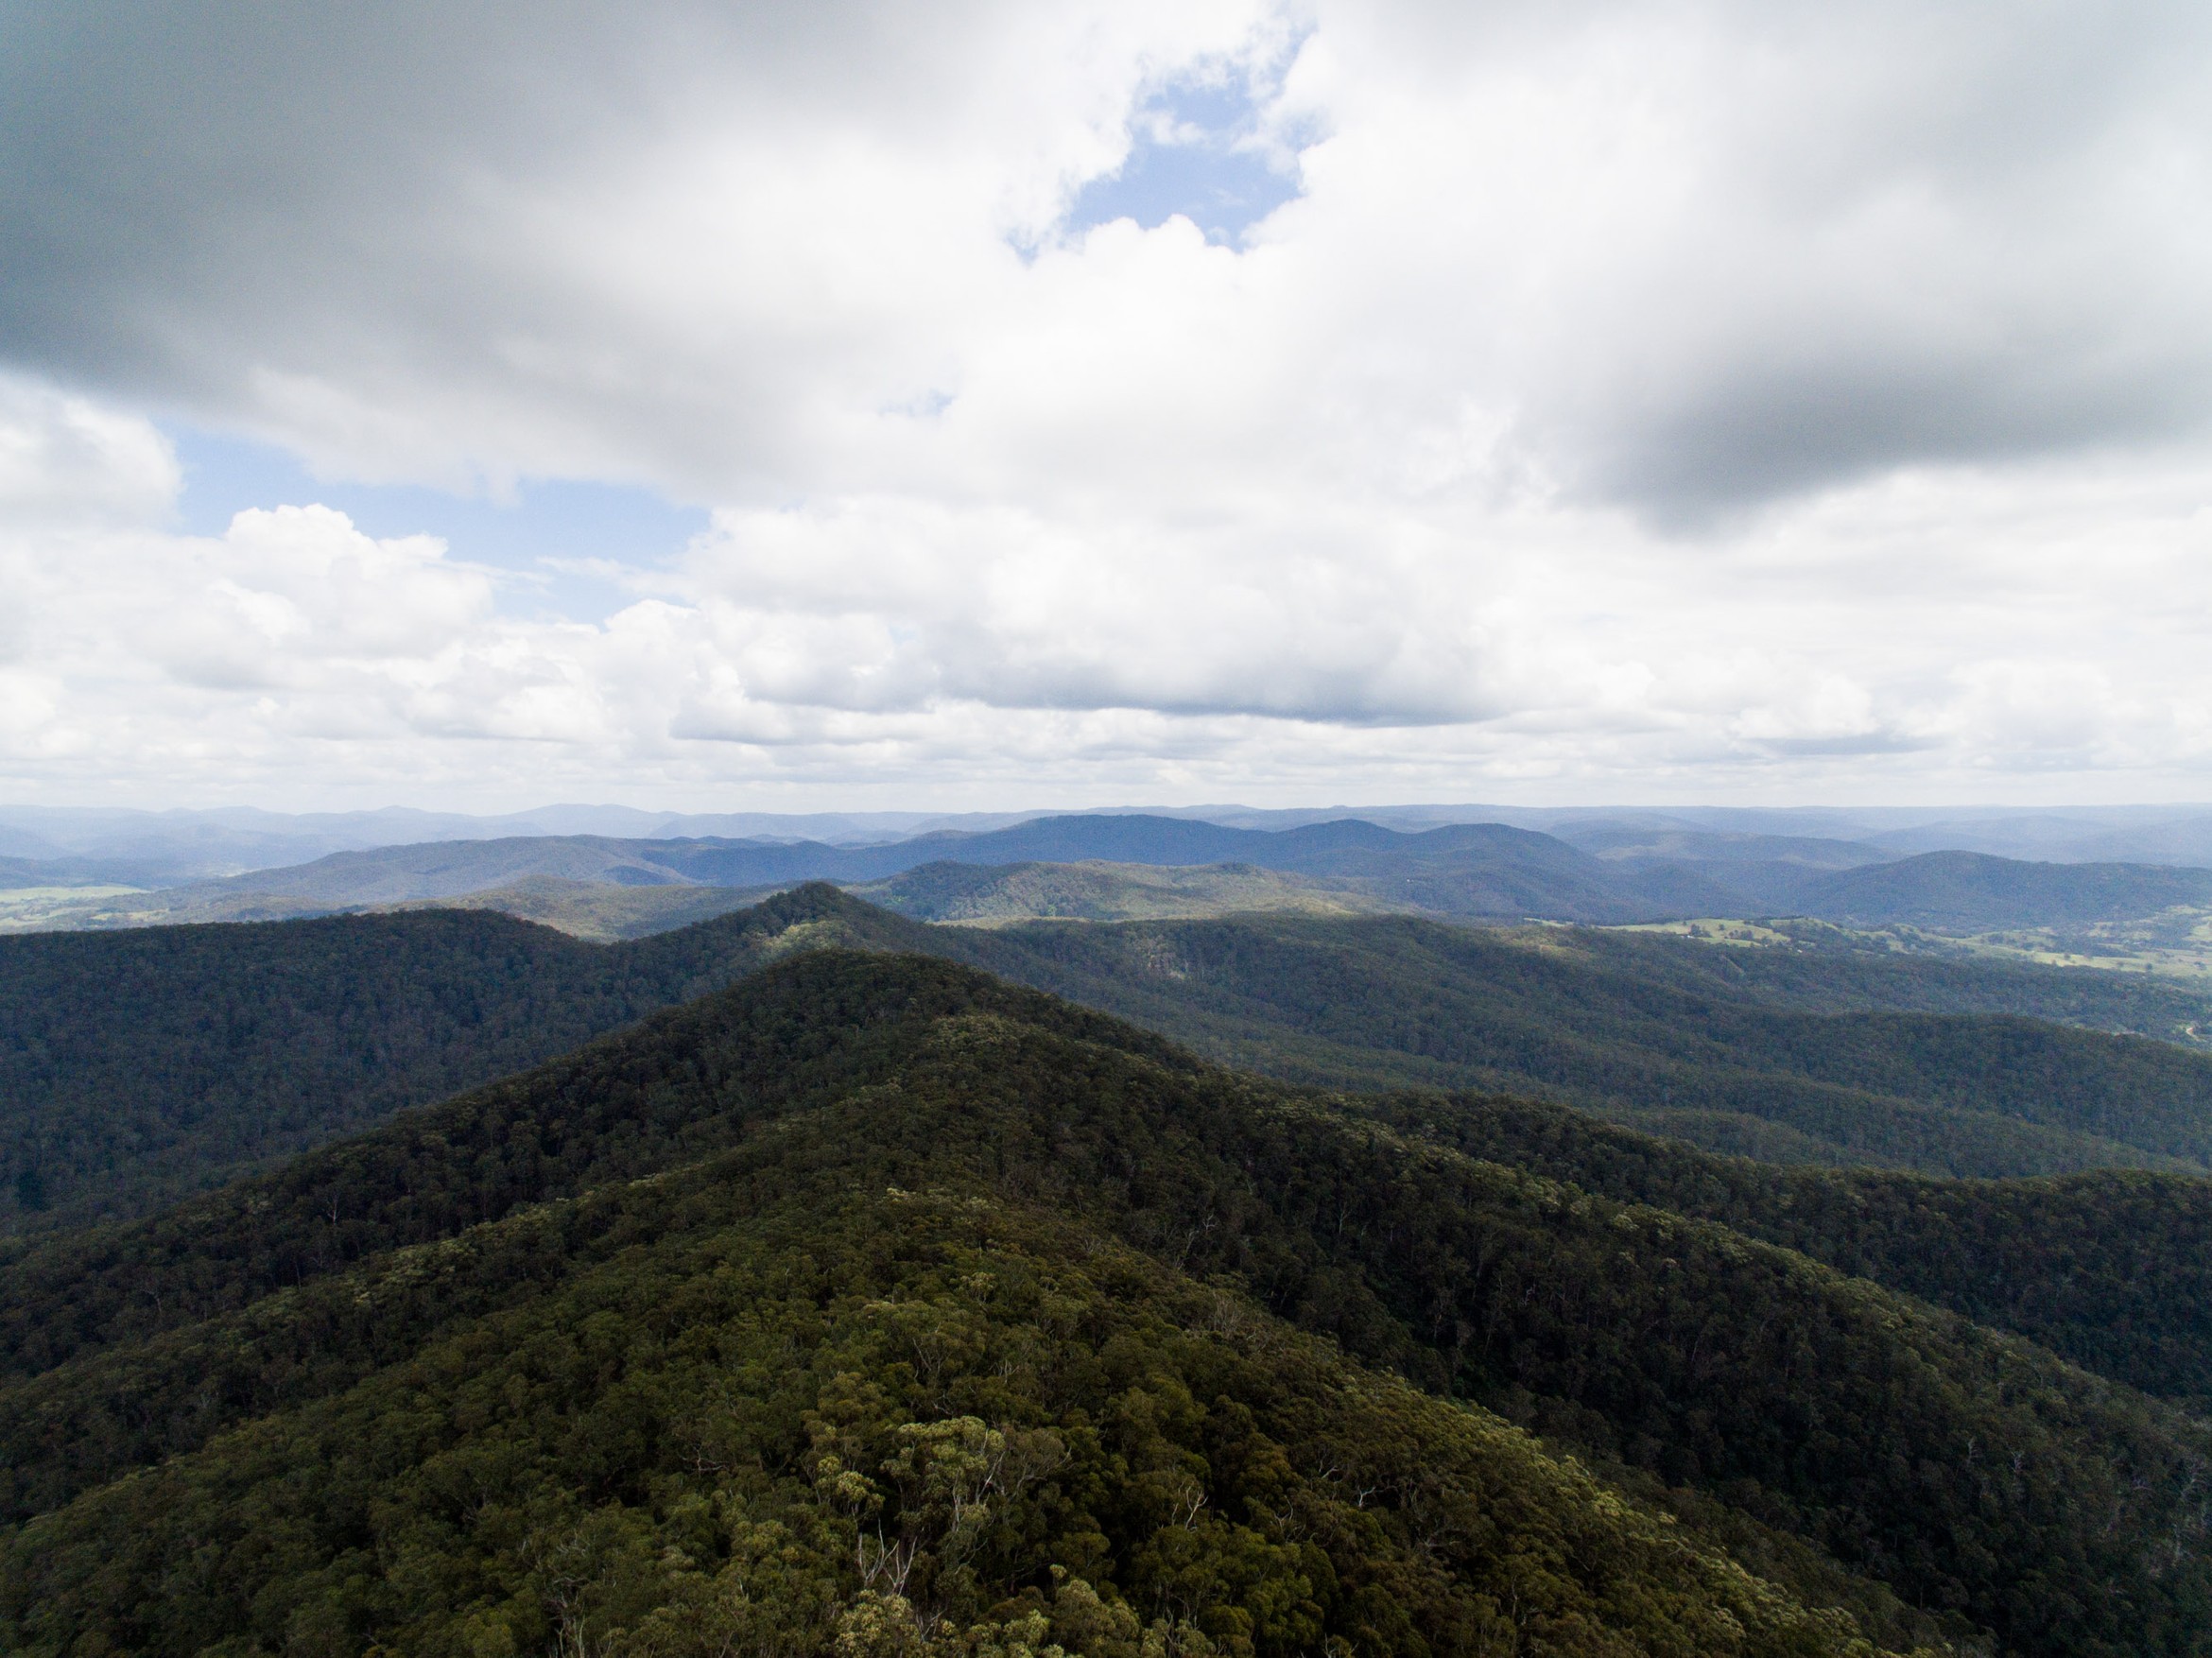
<point>1973,892</point>
<point>2113,1269</point>
<point>1819,1057</point>
<point>570,1355</point>
<point>916,1425</point>
<point>139,1067</point>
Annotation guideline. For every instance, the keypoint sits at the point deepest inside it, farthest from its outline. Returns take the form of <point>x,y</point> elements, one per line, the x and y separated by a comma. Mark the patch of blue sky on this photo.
<point>1195,150</point>
<point>562,546</point>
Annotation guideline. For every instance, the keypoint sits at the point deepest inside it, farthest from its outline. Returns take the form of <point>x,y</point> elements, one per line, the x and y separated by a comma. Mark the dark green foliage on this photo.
<point>896,1416</point>
<point>137,1066</point>
<point>1814,979</point>
<point>1971,1472</point>
<point>2112,1270</point>
<point>685,1082</point>
<point>1799,1058</point>
<point>1972,892</point>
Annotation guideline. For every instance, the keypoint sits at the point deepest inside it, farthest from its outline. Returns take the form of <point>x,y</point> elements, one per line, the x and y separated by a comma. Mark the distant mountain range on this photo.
<point>1484,870</point>
<point>156,849</point>
<point>2153,835</point>
<point>1611,873</point>
<point>102,846</point>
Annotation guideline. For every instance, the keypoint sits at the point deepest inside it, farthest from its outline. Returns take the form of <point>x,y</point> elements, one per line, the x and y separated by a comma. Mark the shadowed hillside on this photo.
<point>1971,893</point>
<point>871,1264</point>
<point>1808,1057</point>
<point>138,1066</point>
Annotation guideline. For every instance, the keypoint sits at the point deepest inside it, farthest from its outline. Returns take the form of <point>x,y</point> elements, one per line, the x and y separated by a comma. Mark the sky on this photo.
<point>850,406</point>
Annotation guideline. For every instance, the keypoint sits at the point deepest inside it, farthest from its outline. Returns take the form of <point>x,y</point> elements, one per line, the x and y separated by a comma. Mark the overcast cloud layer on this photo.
<point>1625,400</point>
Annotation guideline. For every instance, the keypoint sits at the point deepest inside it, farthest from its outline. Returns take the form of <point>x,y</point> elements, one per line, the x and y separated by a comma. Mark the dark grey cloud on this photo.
<point>202,197</point>
<point>1918,234</point>
<point>177,168</point>
<point>1924,234</point>
<point>1775,429</point>
<point>1036,430</point>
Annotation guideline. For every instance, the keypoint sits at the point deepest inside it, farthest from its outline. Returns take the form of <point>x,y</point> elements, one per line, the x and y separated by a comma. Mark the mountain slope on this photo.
<point>599,912</point>
<point>358,879</point>
<point>624,1348</point>
<point>1637,842</point>
<point>2111,1270</point>
<point>1670,1040</point>
<point>1483,869</point>
<point>1972,892</point>
<point>1103,891</point>
<point>135,1067</point>
<point>1087,1445</point>
<point>1743,873</point>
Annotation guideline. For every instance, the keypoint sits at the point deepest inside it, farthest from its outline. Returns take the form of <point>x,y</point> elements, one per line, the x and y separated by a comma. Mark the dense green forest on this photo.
<point>907,1425</point>
<point>2113,1269</point>
<point>1813,1058</point>
<point>1972,892</point>
<point>838,1309</point>
<point>1844,981</point>
<point>138,1066</point>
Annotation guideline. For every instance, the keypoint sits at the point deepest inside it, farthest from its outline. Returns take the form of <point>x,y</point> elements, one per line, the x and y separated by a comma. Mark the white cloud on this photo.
<point>65,459</point>
<point>1639,396</point>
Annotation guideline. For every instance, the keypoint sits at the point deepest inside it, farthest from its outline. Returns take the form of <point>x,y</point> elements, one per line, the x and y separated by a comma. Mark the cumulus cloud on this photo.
<point>1627,394</point>
<point>68,461</point>
<point>1683,254</point>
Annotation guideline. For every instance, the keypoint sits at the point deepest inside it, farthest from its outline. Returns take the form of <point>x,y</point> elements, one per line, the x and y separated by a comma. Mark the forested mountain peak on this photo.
<point>581,1346</point>
<point>138,1066</point>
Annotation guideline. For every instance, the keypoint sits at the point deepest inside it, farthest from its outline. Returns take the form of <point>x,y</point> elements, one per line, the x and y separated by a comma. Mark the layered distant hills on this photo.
<point>1474,870</point>
<point>863,1301</point>
<point>1093,866</point>
<point>168,847</point>
<point>139,1065</point>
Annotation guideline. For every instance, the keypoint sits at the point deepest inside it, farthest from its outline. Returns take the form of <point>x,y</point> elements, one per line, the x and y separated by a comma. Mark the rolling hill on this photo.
<point>1599,870</point>
<point>2113,1269</point>
<point>875,1305</point>
<point>136,1066</point>
<point>1640,842</point>
<point>1949,891</point>
<point>1469,870</point>
<point>1788,1057</point>
<point>1972,892</point>
<point>983,893</point>
<point>386,875</point>
<point>600,913</point>
<point>1749,873</point>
